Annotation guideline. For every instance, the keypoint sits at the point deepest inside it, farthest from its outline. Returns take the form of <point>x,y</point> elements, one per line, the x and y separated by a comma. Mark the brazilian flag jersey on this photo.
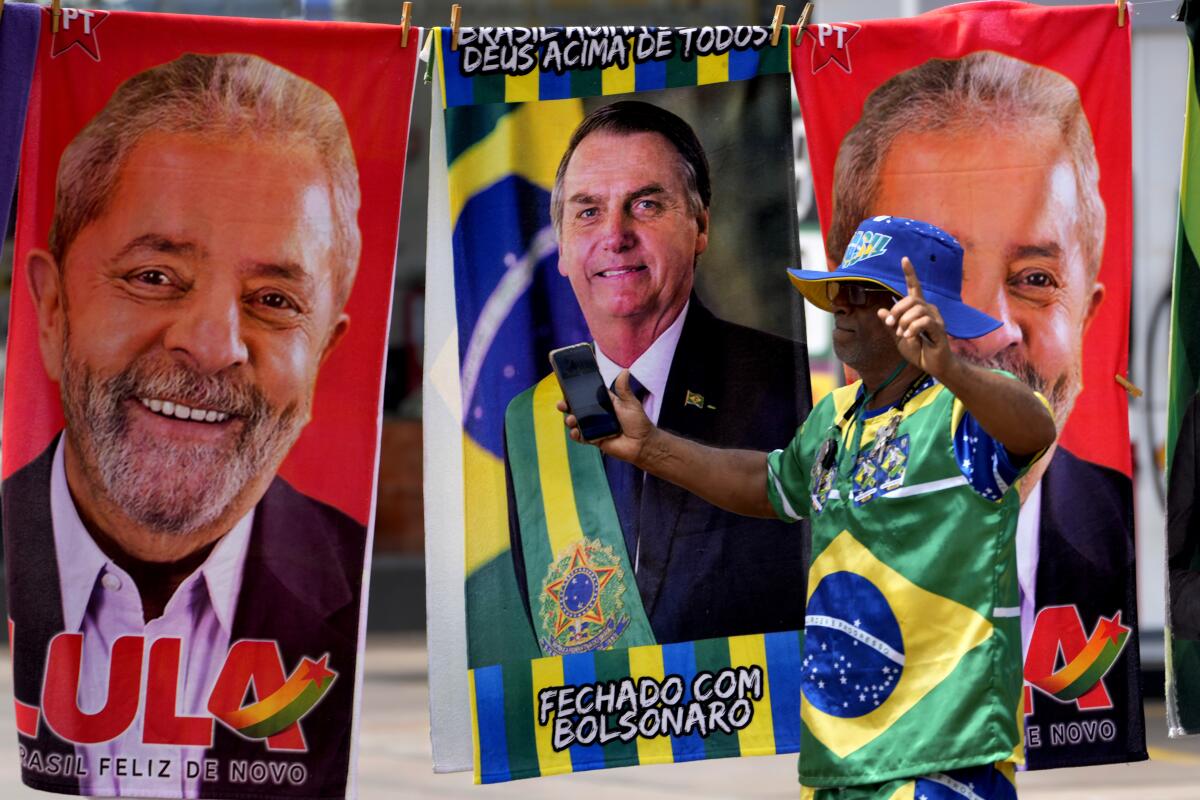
<point>912,660</point>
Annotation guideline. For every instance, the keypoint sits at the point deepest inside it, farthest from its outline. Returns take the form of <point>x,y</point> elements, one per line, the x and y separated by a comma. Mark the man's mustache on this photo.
<point>181,385</point>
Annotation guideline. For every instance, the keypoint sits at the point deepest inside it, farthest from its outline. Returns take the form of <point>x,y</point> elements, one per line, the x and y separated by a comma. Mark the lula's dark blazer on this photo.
<point>705,572</point>
<point>1086,559</point>
<point>300,587</point>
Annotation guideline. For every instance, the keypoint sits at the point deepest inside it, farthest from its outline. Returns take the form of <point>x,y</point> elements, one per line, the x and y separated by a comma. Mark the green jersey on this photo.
<point>912,660</point>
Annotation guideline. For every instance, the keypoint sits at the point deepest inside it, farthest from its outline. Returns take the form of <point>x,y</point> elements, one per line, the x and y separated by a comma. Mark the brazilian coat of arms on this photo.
<point>580,605</point>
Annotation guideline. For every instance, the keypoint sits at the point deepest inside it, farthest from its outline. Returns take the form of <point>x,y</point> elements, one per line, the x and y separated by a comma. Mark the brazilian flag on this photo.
<point>512,309</point>
<point>1183,656</point>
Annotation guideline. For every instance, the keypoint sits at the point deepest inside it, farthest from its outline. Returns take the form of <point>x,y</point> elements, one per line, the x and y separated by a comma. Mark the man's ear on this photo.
<point>339,330</point>
<point>49,294</point>
<point>702,232</point>
<point>1093,302</point>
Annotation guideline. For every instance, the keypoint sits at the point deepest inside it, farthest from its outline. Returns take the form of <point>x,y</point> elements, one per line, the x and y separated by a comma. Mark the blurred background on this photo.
<point>394,744</point>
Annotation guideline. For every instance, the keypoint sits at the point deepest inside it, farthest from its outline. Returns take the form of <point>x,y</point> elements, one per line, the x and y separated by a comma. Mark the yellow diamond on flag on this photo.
<point>875,645</point>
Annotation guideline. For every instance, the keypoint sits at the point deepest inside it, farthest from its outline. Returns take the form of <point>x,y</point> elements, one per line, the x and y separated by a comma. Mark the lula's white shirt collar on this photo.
<point>652,367</point>
<point>1028,530</point>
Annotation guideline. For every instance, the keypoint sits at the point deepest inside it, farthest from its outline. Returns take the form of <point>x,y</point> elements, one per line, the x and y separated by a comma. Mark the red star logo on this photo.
<point>593,613</point>
<point>78,27</point>
<point>831,42</point>
<point>1110,629</point>
<point>316,671</point>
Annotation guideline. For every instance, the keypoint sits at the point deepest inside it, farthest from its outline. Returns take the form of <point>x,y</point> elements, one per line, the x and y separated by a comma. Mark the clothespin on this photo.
<point>405,23</point>
<point>777,23</point>
<point>1120,13</point>
<point>1,9</point>
<point>1134,391</point>
<point>455,16</point>
<point>55,15</point>
<point>805,16</point>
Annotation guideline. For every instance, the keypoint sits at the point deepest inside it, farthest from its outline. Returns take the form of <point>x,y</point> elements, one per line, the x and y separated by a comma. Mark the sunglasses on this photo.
<point>856,294</point>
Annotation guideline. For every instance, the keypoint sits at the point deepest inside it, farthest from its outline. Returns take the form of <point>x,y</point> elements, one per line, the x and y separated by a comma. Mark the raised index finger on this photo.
<point>911,280</point>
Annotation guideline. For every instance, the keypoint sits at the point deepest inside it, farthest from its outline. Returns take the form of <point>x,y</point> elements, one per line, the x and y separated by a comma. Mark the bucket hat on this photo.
<point>873,256</point>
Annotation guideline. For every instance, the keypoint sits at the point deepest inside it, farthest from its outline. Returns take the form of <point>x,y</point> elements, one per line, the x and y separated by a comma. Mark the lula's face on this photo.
<point>1011,201</point>
<point>629,241</point>
<point>197,310</point>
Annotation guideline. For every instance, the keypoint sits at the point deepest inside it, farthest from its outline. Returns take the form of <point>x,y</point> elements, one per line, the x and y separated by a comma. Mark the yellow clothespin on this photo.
<point>455,16</point>
<point>405,23</point>
<point>55,15</point>
<point>1120,13</point>
<point>1127,386</point>
<point>777,23</point>
<point>805,16</point>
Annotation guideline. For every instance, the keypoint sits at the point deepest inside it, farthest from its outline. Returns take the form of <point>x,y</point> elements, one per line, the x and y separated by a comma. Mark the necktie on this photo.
<point>625,481</point>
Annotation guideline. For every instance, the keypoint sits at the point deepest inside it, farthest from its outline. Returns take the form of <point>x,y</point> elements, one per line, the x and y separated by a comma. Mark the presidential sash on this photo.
<point>582,592</point>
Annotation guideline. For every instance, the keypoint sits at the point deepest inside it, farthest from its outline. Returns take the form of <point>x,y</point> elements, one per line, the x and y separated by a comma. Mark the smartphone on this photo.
<point>585,391</point>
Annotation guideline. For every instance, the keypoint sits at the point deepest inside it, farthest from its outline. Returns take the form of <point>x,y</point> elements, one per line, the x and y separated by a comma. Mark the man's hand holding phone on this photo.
<point>735,480</point>
<point>636,428</point>
<point>615,422</point>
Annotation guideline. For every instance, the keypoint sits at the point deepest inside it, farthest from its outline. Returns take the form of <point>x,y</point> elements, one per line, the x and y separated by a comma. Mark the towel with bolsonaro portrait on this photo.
<point>630,188</point>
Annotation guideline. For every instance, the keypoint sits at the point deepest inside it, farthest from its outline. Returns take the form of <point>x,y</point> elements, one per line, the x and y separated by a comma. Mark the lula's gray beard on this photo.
<point>171,487</point>
<point>1060,394</point>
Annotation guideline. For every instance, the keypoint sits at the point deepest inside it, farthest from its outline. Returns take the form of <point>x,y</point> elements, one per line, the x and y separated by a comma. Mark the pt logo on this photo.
<point>1068,665</point>
<point>831,43</point>
<point>78,27</point>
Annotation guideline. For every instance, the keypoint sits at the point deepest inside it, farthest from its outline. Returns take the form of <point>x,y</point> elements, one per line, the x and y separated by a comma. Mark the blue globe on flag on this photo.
<point>971,783</point>
<point>853,649</point>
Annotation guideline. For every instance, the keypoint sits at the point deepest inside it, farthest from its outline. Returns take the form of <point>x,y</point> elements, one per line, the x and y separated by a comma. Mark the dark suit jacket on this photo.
<point>300,587</point>
<point>1086,559</point>
<point>704,572</point>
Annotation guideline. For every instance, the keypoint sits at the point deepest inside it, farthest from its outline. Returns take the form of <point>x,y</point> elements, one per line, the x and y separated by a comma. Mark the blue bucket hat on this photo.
<point>873,256</point>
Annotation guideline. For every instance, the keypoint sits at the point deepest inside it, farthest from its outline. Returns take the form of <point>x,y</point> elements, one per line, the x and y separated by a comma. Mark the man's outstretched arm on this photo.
<point>735,480</point>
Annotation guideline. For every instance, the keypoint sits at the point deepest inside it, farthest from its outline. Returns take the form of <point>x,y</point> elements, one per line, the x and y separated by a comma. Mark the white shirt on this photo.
<point>100,600</point>
<point>1028,525</point>
<point>652,367</point>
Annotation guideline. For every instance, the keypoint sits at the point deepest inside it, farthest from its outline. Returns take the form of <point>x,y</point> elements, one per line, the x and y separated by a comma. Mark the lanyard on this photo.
<point>829,452</point>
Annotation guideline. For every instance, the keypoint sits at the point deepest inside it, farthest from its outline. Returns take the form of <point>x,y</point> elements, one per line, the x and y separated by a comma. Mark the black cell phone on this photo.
<point>585,392</point>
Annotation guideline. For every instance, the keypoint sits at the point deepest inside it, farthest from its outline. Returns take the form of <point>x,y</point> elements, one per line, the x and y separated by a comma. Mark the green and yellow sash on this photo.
<point>582,595</point>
